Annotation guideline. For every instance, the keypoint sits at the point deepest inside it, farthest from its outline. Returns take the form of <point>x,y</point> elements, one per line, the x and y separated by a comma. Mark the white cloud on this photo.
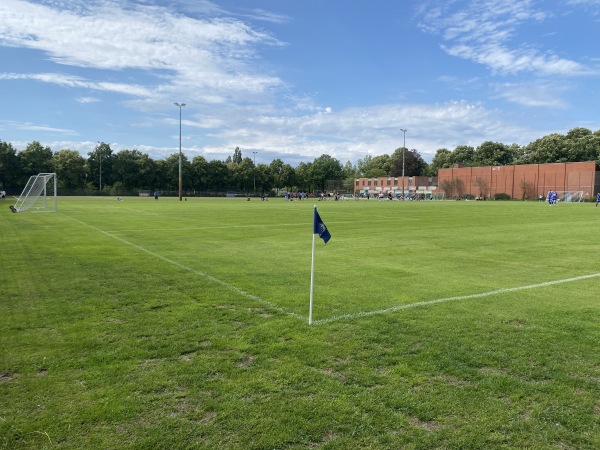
<point>487,32</point>
<point>355,132</point>
<point>542,94</point>
<point>347,135</point>
<point>34,127</point>
<point>186,54</point>
<point>88,100</point>
<point>76,82</point>
<point>151,56</point>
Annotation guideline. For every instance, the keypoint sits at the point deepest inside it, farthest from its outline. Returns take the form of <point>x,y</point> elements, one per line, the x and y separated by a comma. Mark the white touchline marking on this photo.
<point>449,299</point>
<point>235,289</point>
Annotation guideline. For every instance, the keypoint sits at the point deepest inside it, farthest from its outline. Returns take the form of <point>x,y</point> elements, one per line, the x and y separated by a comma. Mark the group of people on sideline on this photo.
<point>295,195</point>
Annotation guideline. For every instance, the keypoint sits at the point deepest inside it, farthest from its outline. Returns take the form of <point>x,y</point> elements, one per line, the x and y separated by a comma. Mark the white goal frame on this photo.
<point>35,195</point>
<point>570,196</point>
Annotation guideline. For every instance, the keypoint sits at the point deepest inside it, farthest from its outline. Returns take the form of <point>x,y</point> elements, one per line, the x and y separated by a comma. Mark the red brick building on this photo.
<point>520,181</point>
<point>412,185</point>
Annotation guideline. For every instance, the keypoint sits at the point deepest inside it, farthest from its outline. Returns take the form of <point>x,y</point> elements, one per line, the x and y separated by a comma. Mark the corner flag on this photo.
<point>320,228</point>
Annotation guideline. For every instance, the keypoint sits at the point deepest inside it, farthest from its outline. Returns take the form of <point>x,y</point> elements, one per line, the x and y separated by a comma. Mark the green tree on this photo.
<point>237,156</point>
<point>441,160</point>
<point>148,172</point>
<point>548,149</point>
<point>582,145</point>
<point>70,169</point>
<point>163,179</point>
<point>412,162</point>
<point>171,173</point>
<point>303,177</point>
<point>10,169</point>
<point>349,170</point>
<point>494,154</point>
<point>200,173</point>
<point>35,159</point>
<point>283,174</point>
<point>127,169</point>
<point>325,168</point>
<point>375,166</point>
<point>264,178</point>
<point>218,175</point>
<point>463,154</point>
<point>243,175</point>
<point>99,166</point>
<point>288,176</point>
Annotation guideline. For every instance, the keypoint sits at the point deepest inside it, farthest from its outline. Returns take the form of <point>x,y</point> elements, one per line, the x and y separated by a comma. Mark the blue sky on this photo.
<point>295,79</point>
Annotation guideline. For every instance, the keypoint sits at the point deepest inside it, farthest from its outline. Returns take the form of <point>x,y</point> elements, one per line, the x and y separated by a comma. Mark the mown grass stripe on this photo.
<point>215,280</point>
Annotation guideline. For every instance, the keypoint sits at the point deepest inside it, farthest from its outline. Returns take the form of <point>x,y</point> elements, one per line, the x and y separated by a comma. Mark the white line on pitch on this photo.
<point>449,299</point>
<point>197,272</point>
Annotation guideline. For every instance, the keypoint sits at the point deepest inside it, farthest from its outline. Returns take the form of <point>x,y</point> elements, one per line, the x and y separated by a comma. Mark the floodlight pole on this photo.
<point>180,105</point>
<point>100,159</point>
<point>254,171</point>
<point>403,149</point>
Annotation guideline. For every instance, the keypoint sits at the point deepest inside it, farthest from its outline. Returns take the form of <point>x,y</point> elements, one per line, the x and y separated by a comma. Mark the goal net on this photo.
<point>39,194</point>
<point>438,195</point>
<point>570,196</point>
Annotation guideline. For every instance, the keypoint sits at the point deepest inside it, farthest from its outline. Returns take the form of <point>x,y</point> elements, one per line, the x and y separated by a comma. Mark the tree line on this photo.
<point>578,145</point>
<point>128,171</point>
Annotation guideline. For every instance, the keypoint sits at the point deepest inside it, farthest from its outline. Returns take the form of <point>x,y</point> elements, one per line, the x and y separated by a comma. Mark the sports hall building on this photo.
<point>528,181</point>
<point>413,186</point>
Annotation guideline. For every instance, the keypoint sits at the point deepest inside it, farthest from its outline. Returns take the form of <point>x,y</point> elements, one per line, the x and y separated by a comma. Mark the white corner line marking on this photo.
<point>229,286</point>
<point>449,299</point>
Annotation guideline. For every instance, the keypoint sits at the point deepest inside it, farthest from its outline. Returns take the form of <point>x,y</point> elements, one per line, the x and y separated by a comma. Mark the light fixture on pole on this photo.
<point>180,105</point>
<point>403,149</point>
<point>254,170</point>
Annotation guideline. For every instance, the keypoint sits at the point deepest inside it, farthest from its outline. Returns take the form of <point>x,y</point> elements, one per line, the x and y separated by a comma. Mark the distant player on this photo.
<point>597,198</point>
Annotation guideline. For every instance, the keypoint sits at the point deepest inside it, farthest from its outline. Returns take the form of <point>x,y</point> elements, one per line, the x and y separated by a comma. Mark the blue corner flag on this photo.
<point>320,228</point>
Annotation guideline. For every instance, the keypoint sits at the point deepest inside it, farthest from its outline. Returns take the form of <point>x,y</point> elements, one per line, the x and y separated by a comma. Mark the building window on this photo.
<point>375,182</point>
<point>369,182</point>
<point>357,182</point>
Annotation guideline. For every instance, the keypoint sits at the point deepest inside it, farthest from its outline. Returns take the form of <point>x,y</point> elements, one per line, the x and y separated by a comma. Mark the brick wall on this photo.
<point>522,181</point>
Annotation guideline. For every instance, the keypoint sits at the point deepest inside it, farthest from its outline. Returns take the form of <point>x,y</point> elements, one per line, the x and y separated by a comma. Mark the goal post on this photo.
<point>39,195</point>
<point>570,196</point>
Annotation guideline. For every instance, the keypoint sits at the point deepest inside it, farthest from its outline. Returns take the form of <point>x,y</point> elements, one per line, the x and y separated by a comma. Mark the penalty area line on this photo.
<point>449,299</point>
<point>209,277</point>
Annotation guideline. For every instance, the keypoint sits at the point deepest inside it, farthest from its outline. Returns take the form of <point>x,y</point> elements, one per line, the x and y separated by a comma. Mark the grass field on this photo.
<point>171,325</point>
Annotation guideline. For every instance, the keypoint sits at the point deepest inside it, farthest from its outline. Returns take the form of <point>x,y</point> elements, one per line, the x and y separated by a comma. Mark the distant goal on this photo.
<point>39,195</point>
<point>570,196</point>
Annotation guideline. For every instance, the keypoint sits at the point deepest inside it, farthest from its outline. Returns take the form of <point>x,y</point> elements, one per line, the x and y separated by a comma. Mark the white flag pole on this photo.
<point>312,272</point>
